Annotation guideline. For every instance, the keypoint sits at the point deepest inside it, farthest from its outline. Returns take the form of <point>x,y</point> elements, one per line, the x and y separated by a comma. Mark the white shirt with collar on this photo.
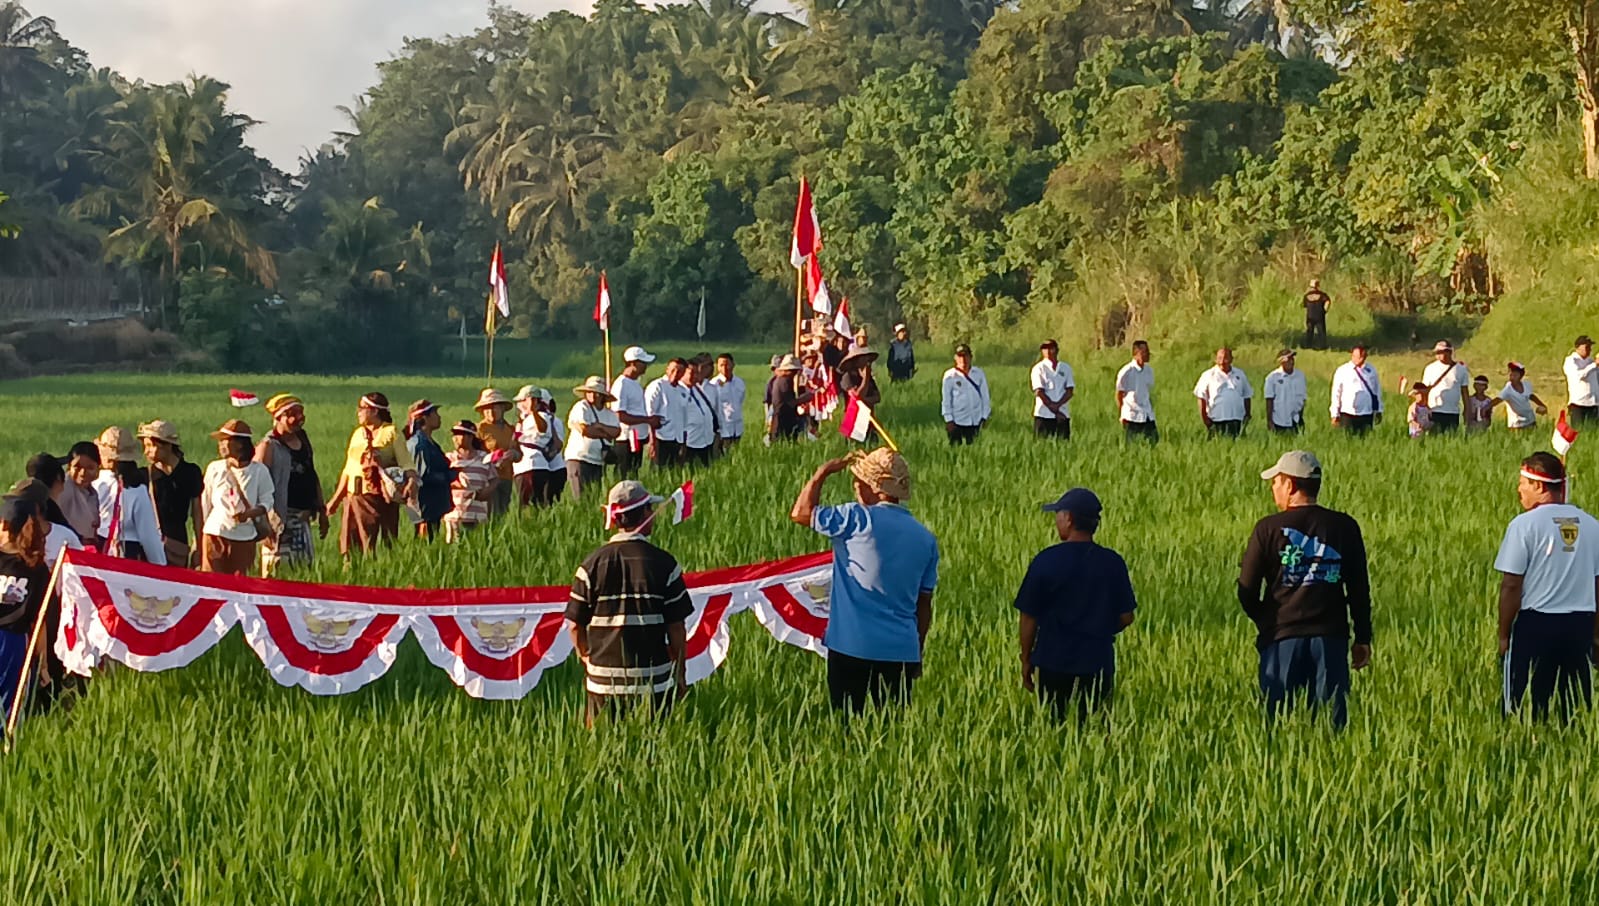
<point>630,399</point>
<point>699,423</point>
<point>965,397</point>
<point>1447,382</point>
<point>1054,380</point>
<point>1136,383</point>
<point>1355,391</point>
<point>1224,393</point>
<point>664,398</point>
<point>1582,380</point>
<point>1287,394</point>
<point>730,404</point>
<point>579,446</point>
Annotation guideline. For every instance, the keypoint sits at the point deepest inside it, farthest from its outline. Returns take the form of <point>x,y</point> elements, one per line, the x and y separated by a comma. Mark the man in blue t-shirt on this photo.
<point>885,566</point>
<point>1075,598</point>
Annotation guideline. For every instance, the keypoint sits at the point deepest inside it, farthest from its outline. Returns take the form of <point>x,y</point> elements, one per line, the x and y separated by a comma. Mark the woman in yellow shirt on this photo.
<point>370,498</point>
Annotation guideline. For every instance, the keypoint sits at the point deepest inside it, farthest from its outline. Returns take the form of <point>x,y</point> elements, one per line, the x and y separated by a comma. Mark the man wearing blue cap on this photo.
<point>1075,598</point>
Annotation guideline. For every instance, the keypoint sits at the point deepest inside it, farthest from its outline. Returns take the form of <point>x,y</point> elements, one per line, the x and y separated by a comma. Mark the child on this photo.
<point>1479,406</point>
<point>1420,415</point>
<point>474,482</point>
<point>1522,406</point>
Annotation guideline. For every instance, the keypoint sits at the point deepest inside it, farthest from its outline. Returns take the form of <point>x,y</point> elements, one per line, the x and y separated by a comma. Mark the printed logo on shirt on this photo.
<point>1569,526</point>
<point>1309,561</point>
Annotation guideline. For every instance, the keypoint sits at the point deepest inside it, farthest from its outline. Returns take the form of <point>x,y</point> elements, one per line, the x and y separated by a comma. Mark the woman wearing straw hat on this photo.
<point>238,491</point>
<point>544,448</point>
<point>370,497</point>
<point>499,438</point>
<point>855,376</point>
<point>592,427</point>
<point>175,485</point>
<point>128,524</point>
<point>296,489</point>
<point>530,423</point>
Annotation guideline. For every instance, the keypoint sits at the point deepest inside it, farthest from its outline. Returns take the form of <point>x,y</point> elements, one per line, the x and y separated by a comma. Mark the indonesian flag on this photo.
<point>825,400</point>
<point>602,305</point>
<point>502,290</point>
<point>241,400</point>
<point>683,497</point>
<point>816,286</point>
<point>1565,435</point>
<point>807,231</point>
<point>841,319</point>
<point>857,420</point>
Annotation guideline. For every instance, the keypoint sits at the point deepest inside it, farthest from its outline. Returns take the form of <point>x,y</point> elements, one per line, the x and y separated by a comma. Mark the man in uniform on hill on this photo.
<point>1316,304</point>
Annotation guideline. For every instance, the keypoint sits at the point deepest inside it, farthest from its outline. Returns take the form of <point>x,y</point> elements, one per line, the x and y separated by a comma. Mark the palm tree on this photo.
<point>22,69</point>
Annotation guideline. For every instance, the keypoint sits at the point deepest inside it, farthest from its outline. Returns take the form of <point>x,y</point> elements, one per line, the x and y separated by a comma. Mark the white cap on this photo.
<point>637,354</point>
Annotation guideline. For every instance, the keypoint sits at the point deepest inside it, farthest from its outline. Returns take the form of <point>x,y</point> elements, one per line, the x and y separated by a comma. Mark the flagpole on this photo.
<point>799,302</point>
<point>30,659</point>
<point>607,333</point>
<point>879,426</point>
<point>488,353</point>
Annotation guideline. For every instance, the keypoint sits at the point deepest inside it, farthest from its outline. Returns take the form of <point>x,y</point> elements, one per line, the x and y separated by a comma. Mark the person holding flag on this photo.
<point>627,396</point>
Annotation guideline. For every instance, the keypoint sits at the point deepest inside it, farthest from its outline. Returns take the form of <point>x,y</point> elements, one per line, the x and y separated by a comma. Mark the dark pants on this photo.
<point>1549,652</point>
<point>1581,414</point>
<point>13,651</point>
<point>627,460</point>
<point>582,474</point>
<point>1295,428</point>
<point>1053,427</point>
<point>700,457</point>
<point>1315,669</point>
<point>1356,424</point>
<point>1445,422</point>
<point>616,707</point>
<point>668,453</point>
<point>899,373</point>
<point>1315,332</point>
<point>1064,693</point>
<point>1145,431</point>
<point>963,434</point>
<point>1226,429</point>
<point>852,682</point>
<point>547,485</point>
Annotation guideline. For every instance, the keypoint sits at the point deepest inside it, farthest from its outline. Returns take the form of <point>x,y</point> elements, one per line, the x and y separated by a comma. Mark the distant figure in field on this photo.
<point>1286,395</point>
<point>1582,382</point>
<point>1548,564</point>
<point>855,376</point>
<point>1356,394</point>
<point>901,356</point>
<point>296,487</point>
<point>1053,388</point>
<point>730,392</point>
<point>1073,601</point>
<point>1446,381</point>
<point>966,405</point>
<point>1479,406</point>
<point>237,492</point>
<point>1224,397</point>
<point>367,500</point>
<point>1135,396</point>
<point>885,568</point>
<point>1418,418</point>
<point>626,613</point>
<point>1303,582</point>
<point>1316,304</point>
<point>1522,405</point>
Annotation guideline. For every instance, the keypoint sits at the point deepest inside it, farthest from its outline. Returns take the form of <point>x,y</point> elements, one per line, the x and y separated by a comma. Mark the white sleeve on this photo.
<point>1513,555</point>
<point>1249,391</point>
<point>1121,379</point>
<point>1071,380</point>
<point>947,392</point>
<point>1199,388</point>
<point>1270,388</point>
<point>988,403</point>
<point>1337,392</point>
<point>1036,378</point>
<point>146,530</point>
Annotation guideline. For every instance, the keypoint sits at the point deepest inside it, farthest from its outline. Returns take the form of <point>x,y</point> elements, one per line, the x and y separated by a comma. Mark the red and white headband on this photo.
<point>1530,475</point>
<point>371,403</point>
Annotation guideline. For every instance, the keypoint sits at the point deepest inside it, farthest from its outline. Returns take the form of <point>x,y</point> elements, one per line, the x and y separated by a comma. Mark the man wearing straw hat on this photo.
<point>591,428</point>
<point>785,398</point>
<point>855,376</point>
<point>626,613</point>
<point>885,567</point>
<point>499,439</point>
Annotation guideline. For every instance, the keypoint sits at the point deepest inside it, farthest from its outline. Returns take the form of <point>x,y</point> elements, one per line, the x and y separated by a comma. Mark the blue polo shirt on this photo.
<point>883,559</point>
<point>1078,593</point>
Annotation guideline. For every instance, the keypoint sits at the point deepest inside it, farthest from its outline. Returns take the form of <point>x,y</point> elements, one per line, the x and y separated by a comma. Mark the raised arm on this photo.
<point>811,494</point>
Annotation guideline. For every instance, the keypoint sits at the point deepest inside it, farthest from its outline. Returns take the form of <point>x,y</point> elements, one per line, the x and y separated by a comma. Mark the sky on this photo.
<point>291,62</point>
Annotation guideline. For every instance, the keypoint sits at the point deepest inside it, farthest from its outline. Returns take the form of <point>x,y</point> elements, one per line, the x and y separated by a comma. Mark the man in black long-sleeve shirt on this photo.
<point>1311,563</point>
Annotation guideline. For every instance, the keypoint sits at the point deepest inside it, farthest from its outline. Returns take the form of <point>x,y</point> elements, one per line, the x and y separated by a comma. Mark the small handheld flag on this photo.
<point>1564,435</point>
<point>841,320</point>
<point>857,420</point>
<point>683,497</point>
<point>241,400</point>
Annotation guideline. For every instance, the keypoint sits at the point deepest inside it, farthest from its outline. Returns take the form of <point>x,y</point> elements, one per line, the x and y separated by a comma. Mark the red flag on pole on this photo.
<point>602,305</point>
<point>502,289</point>
<point>1564,436</point>
<point>807,231</point>
<point>684,498</point>
<point>841,320</point>
<point>857,419</point>
<point>816,287</point>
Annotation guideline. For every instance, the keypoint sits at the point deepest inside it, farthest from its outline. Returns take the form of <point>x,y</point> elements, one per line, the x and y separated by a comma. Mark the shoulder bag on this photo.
<point>268,527</point>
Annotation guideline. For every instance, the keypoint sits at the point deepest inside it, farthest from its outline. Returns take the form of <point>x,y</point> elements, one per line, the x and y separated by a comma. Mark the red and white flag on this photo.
<point>807,230</point>
<point>1564,436</point>
<point>857,419</point>
<point>683,498</point>
<point>602,305</point>
<point>816,287</point>
<point>825,400</point>
<point>241,400</point>
<point>841,319</point>
<point>497,282</point>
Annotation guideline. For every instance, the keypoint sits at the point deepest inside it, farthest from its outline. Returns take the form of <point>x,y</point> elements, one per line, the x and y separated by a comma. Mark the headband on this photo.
<point>613,510</point>
<point>1546,479</point>
<point>370,403</point>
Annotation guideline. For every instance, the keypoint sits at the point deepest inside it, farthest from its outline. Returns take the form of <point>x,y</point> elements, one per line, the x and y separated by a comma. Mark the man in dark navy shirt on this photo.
<point>1074,600</point>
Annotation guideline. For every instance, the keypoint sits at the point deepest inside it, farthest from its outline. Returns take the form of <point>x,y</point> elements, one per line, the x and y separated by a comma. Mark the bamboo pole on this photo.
<point>882,433</point>
<point>799,305</point>
<point>33,655</point>
<point>607,333</point>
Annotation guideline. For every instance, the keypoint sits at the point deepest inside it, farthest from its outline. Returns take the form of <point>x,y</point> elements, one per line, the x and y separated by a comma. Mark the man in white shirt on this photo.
<point>1356,394</point>
<point>627,396</point>
<point>591,427</point>
<point>1224,397</point>
<point>664,401</point>
<point>1135,388</point>
<point>730,392</point>
<point>699,419</point>
<point>1286,394</point>
<point>1447,380</point>
<point>965,401</point>
<point>1582,381</point>
<point>1549,566</point>
<point>1053,389</point>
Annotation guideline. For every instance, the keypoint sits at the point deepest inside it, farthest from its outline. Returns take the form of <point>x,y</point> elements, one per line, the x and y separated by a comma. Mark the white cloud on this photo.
<point>291,62</point>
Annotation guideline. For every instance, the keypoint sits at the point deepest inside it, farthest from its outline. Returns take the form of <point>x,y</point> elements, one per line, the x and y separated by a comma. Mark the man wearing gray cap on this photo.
<point>1445,379</point>
<point>1310,562</point>
<point>1073,601</point>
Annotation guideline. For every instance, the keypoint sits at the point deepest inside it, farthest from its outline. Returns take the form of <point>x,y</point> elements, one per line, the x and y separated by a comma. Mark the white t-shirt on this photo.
<point>1136,383</point>
<point>1519,412</point>
<point>1288,395</point>
<point>630,399</point>
<point>223,500</point>
<point>730,404</point>
<point>1555,547</point>
<point>1582,380</point>
<point>1053,380</point>
<point>62,537</point>
<point>699,418</point>
<point>664,398</point>
<point>526,437</point>
<point>1224,393</point>
<point>1452,379</point>
<point>105,491</point>
<point>587,449</point>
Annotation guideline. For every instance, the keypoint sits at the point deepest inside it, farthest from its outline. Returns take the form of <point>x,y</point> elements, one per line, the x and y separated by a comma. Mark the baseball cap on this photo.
<point>1516,366</point>
<point>1285,354</point>
<point>637,354</point>
<point>1049,344</point>
<point>899,327</point>
<point>1077,501</point>
<point>963,349</point>
<point>1443,346</point>
<point>1295,464</point>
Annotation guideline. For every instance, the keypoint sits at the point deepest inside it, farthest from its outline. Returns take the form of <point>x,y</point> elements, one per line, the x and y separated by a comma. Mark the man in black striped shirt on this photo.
<point>627,610</point>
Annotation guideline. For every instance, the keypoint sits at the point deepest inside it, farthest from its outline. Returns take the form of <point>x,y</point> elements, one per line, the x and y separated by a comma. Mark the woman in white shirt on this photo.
<point>237,492</point>
<point>137,536</point>
<point>1522,406</point>
<point>524,472</point>
<point>548,462</point>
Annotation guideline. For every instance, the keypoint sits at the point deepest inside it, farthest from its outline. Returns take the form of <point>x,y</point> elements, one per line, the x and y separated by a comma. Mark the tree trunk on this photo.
<point>1583,29</point>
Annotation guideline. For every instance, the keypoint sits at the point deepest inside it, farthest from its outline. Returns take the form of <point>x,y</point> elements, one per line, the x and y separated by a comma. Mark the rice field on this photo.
<point>212,784</point>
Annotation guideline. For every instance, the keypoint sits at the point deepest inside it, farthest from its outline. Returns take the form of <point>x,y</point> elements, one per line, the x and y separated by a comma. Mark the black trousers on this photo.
<point>700,457</point>
<point>1315,332</point>
<point>1053,427</point>
<point>616,707</point>
<point>668,453</point>
<point>1549,653</point>
<point>963,434</point>
<point>1445,422</point>
<point>548,485</point>
<point>1356,424</point>
<point>1580,414</point>
<point>1145,431</point>
<point>1065,693</point>
<point>627,461</point>
<point>854,682</point>
<point>1295,428</point>
<point>1226,429</point>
